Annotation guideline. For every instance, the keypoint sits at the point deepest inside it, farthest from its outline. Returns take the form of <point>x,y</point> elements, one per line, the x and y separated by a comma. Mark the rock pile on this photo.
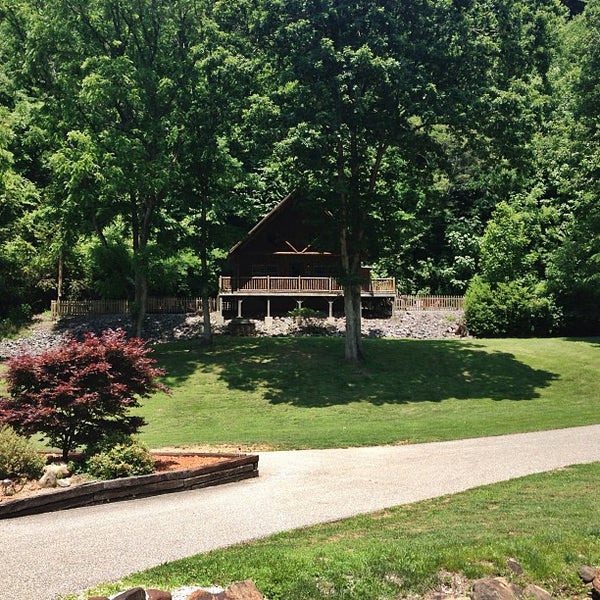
<point>165,328</point>
<point>242,590</point>
<point>452,587</point>
<point>499,588</point>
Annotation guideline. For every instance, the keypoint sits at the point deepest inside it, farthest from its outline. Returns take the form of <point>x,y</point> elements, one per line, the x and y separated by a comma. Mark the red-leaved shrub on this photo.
<point>76,394</point>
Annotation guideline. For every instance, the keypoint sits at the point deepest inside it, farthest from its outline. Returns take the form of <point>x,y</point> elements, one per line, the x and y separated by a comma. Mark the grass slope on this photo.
<point>548,523</point>
<point>299,393</point>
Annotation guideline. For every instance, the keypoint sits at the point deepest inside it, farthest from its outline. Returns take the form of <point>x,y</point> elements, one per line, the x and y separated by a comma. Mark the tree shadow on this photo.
<point>588,340</point>
<point>311,372</point>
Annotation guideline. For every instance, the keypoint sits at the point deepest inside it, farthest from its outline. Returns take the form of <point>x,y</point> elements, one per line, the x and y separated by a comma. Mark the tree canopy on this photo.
<point>448,139</point>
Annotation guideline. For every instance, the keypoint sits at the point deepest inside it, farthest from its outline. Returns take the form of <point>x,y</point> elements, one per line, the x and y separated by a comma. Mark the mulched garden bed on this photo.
<point>174,472</point>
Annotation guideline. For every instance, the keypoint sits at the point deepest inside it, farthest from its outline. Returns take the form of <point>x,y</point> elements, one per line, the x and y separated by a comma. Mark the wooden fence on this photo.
<point>428,303</point>
<point>72,308</point>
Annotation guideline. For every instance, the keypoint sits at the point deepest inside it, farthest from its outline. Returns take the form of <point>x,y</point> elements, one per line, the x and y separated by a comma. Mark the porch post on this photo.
<point>268,318</point>
<point>239,308</point>
<point>299,303</point>
<point>220,318</point>
<point>330,318</point>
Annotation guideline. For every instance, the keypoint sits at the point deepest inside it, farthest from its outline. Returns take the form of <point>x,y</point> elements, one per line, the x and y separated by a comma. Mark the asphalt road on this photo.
<point>44,556</point>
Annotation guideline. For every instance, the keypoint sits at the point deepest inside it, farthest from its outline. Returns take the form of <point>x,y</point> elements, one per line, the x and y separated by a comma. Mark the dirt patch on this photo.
<point>178,462</point>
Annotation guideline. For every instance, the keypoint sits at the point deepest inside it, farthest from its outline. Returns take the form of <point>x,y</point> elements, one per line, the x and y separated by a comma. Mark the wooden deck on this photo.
<point>300,286</point>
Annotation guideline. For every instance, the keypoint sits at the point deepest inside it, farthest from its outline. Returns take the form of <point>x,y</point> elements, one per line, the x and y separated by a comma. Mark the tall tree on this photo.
<point>214,78</point>
<point>570,159</point>
<point>367,88</point>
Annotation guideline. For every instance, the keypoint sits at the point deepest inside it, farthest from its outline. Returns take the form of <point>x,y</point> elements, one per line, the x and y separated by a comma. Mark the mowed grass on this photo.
<point>288,393</point>
<point>549,523</point>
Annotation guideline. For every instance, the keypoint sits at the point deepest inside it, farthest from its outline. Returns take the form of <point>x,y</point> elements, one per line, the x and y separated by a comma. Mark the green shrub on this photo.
<point>512,309</point>
<point>18,459</point>
<point>123,460</point>
<point>307,313</point>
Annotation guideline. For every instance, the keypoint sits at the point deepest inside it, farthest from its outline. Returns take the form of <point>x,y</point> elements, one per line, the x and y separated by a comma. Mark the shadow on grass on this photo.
<point>311,372</point>
<point>588,340</point>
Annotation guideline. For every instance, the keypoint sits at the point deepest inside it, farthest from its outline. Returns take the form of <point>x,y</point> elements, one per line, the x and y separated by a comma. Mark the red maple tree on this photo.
<point>78,393</point>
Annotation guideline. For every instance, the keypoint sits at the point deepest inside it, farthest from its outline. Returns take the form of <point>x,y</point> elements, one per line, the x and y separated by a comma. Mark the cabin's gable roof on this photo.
<point>283,230</point>
<point>263,223</point>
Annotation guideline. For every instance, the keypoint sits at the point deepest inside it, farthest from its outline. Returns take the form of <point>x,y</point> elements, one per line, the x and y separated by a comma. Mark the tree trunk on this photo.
<point>207,327</point>
<point>141,301</point>
<point>352,289</point>
<point>204,271</point>
<point>140,229</point>
<point>353,349</point>
<point>59,287</point>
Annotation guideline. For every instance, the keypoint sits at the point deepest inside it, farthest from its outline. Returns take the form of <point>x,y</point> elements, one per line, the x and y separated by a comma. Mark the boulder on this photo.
<point>495,588</point>
<point>204,595</point>
<point>243,590</point>
<point>132,594</point>
<point>158,595</point>
<point>587,573</point>
<point>514,566</point>
<point>52,473</point>
<point>536,592</point>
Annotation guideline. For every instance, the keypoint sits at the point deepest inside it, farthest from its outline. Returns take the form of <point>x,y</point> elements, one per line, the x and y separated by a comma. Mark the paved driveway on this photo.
<point>43,556</point>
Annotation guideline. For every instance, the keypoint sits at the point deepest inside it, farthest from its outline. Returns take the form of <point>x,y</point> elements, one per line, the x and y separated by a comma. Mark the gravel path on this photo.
<point>43,556</point>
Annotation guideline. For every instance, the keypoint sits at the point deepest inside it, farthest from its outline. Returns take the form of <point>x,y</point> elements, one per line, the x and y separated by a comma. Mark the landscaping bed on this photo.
<point>174,472</point>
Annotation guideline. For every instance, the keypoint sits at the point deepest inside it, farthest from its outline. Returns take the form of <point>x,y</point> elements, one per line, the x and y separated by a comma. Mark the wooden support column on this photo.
<point>299,303</point>
<point>330,302</point>
<point>268,318</point>
<point>239,308</point>
<point>220,317</point>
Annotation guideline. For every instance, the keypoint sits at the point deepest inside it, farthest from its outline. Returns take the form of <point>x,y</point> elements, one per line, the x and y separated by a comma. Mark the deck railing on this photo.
<point>298,285</point>
<point>407,302</point>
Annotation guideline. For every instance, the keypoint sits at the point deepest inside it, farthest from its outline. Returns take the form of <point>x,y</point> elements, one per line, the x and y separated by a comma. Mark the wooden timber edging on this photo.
<point>233,468</point>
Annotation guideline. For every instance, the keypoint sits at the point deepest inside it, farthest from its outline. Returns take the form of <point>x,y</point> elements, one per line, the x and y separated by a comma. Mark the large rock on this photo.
<point>588,574</point>
<point>514,566</point>
<point>52,473</point>
<point>495,588</point>
<point>536,592</point>
<point>242,590</point>
<point>204,595</point>
<point>132,594</point>
<point>158,595</point>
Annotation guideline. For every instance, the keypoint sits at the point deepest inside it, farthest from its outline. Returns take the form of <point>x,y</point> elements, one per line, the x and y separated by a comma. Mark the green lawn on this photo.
<point>299,393</point>
<point>549,523</point>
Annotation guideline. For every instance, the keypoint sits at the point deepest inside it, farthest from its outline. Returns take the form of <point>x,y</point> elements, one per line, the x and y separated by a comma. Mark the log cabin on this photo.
<point>288,261</point>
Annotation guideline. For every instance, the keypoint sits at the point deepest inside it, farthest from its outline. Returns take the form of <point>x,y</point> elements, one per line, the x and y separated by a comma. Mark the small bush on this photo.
<point>123,460</point>
<point>306,313</point>
<point>513,308</point>
<point>18,459</point>
<point>18,317</point>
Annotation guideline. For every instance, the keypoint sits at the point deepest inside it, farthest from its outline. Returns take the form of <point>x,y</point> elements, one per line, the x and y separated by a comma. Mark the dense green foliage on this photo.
<point>124,459</point>
<point>18,458</point>
<point>138,141</point>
